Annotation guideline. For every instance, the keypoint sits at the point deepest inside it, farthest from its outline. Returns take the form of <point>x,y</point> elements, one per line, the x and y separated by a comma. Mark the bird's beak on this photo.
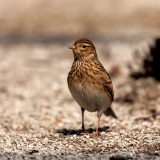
<point>72,47</point>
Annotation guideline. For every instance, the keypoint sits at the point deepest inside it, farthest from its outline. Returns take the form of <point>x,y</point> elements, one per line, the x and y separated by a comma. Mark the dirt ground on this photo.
<point>38,117</point>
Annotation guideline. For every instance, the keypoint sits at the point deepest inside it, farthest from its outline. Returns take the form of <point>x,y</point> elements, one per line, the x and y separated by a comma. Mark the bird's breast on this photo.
<point>89,97</point>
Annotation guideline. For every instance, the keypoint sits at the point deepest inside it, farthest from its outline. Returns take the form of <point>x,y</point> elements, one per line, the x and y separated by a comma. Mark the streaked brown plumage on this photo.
<point>88,81</point>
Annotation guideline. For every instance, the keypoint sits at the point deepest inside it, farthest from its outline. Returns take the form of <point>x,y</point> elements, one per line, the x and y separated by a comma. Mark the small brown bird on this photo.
<point>88,81</point>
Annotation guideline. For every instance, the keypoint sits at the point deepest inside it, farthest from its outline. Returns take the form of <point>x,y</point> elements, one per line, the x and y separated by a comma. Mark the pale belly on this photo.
<point>90,99</point>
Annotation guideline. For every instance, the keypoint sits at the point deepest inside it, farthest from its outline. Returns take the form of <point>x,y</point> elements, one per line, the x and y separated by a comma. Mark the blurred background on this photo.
<point>53,20</point>
<point>35,61</point>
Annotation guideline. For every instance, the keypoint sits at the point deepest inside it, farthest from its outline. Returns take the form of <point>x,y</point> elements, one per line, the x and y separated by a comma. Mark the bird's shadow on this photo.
<point>65,131</point>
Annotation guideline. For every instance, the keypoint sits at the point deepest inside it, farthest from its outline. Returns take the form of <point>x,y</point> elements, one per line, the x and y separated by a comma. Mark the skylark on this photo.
<point>88,81</point>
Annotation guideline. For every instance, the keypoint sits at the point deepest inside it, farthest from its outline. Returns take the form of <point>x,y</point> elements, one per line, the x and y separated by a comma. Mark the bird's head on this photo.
<point>83,48</point>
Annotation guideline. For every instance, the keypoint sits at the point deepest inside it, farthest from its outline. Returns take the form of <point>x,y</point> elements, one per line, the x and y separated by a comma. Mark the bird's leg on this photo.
<point>99,116</point>
<point>83,128</point>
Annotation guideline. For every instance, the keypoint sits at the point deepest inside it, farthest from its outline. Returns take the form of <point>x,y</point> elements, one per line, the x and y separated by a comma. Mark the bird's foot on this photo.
<point>94,134</point>
<point>84,130</point>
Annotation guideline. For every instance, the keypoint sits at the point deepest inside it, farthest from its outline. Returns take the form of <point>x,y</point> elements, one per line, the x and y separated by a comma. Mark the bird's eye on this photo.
<point>84,46</point>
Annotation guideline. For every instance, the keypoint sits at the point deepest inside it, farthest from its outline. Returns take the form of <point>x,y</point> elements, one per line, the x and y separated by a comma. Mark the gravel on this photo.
<point>40,120</point>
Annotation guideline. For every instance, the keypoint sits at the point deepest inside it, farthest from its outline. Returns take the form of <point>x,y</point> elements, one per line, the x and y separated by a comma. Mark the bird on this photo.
<point>89,83</point>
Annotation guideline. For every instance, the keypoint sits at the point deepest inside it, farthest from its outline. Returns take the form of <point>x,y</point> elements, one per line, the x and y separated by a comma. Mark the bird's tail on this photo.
<point>110,112</point>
